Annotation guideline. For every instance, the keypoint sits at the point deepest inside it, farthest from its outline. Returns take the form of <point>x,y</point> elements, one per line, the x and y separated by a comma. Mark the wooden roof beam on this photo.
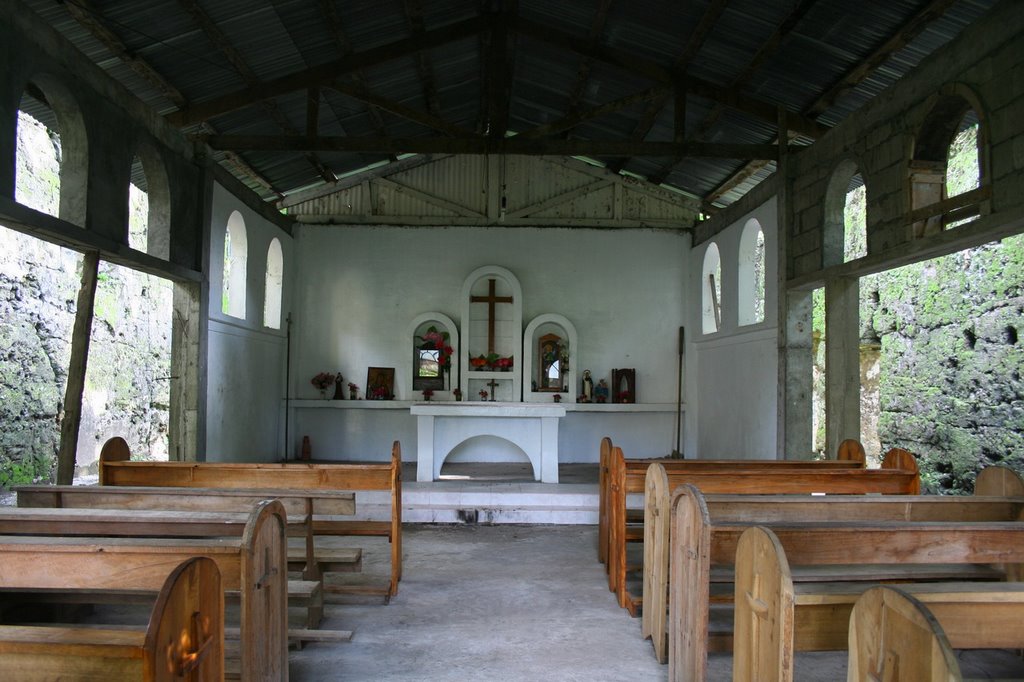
<point>498,57</point>
<point>398,109</point>
<point>661,74</point>
<point>573,120</point>
<point>586,62</point>
<point>424,67</point>
<point>482,145</point>
<point>324,73</point>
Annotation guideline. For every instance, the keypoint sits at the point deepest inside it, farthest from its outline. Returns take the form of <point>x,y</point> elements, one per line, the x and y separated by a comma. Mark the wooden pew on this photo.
<point>184,638</point>
<point>850,454</point>
<point>160,523</point>
<point>117,470</point>
<point>949,551</point>
<point>892,633</point>
<point>775,617</point>
<point>774,508</point>
<point>254,565</point>
<point>898,476</point>
<point>300,506</point>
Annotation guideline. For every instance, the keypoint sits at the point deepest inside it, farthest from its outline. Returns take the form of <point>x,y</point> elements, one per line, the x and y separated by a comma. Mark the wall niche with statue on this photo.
<point>550,345</point>
<point>433,359</point>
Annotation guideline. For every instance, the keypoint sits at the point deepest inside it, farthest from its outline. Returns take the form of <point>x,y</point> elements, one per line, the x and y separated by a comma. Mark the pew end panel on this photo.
<point>894,636</point>
<point>690,577</point>
<point>999,480</point>
<point>184,639</point>
<point>656,546</point>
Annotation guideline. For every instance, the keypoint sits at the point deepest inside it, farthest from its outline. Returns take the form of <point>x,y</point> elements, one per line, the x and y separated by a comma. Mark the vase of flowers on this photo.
<point>483,394</point>
<point>458,395</point>
<point>427,394</point>
<point>353,390</point>
<point>323,381</point>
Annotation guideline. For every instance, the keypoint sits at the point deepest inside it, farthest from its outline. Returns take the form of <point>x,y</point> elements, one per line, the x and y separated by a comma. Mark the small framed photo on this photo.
<point>380,383</point>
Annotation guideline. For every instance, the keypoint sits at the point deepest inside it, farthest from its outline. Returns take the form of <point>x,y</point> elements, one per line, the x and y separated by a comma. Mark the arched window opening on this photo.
<point>273,286</point>
<point>855,220</point>
<point>37,174</point>
<point>711,286</point>
<point>52,169</point>
<point>138,208</point>
<point>948,169</point>
<point>149,215</point>
<point>845,228</point>
<point>750,274</point>
<point>236,249</point>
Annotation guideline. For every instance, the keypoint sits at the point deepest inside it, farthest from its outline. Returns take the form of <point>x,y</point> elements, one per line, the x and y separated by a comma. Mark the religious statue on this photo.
<point>339,392</point>
<point>588,387</point>
<point>601,392</point>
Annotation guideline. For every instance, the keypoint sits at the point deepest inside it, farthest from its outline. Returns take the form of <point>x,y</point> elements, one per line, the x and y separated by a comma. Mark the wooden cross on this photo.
<point>493,383</point>
<point>490,299</point>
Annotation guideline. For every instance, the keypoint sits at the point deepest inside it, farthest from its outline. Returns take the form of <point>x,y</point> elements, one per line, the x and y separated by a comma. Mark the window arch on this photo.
<point>149,199</point>
<point>750,274</point>
<point>236,249</point>
<point>948,170</point>
<point>845,234</point>
<point>711,286</point>
<point>50,105</point>
<point>273,285</point>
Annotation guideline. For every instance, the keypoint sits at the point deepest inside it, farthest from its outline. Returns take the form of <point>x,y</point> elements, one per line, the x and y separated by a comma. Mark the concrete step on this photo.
<point>486,503</point>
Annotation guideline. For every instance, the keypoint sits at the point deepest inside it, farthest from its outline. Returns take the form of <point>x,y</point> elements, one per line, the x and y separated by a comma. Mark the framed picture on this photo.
<point>380,383</point>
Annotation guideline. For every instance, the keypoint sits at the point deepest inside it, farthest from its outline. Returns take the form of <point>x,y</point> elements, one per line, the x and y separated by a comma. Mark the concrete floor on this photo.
<point>516,603</point>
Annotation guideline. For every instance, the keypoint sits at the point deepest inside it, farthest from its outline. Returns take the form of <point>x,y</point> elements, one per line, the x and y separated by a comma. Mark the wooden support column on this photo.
<point>186,328</point>
<point>842,361</point>
<point>80,336</point>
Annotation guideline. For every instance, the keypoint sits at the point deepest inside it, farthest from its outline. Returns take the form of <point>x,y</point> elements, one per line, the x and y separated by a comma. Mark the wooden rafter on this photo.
<point>220,41</point>
<point>90,19</point>
<point>573,120</point>
<point>587,62</point>
<point>498,57</point>
<point>325,73</point>
<point>484,145</point>
<point>414,16</point>
<point>242,166</point>
<point>906,32</point>
<point>415,115</point>
<point>897,41</point>
<point>768,48</point>
<point>665,75</point>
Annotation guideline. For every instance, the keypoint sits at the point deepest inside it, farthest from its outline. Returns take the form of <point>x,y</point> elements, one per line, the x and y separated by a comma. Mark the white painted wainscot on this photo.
<point>533,428</point>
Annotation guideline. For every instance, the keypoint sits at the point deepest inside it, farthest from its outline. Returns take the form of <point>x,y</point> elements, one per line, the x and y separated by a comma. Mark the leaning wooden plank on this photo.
<point>184,639</point>
<point>894,636</point>
<point>254,564</point>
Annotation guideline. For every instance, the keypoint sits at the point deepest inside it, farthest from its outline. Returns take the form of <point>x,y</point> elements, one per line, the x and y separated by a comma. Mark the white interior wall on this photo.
<point>732,374</point>
<point>246,361</point>
<point>358,288</point>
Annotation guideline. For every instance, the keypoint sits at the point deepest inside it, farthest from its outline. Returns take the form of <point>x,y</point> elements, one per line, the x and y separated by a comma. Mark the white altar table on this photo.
<point>440,427</point>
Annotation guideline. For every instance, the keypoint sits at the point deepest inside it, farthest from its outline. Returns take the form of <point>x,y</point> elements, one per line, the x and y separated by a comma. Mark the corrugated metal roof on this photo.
<point>282,38</point>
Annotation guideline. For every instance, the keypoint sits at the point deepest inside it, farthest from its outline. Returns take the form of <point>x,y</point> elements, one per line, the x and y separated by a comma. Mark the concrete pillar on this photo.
<point>796,360</point>
<point>183,420</point>
<point>842,361</point>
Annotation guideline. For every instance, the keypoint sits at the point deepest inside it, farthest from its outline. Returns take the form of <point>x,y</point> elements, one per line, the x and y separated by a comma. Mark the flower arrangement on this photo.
<point>353,390</point>
<point>457,393</point>
<point>622,397</point>
<point>483,394</point>
<point>433,339</point>
<point>492,361</point>
<point>427,393</point>
<point>379,393</point>
<point>323,380</point>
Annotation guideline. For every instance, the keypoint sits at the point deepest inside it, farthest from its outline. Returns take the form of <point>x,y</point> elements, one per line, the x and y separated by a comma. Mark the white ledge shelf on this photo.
<point>406,404</point>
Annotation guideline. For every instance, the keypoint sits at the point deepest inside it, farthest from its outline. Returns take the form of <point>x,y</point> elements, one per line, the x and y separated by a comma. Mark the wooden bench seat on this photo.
<point>898,475</point>
<point>190,601</point>
<point>776,616</point>
<point>698,542</point>
<point>116,469</point>
<point>892,631</point>
<point>628,476</point>
<point>254,564</point>
<point>766,509</point>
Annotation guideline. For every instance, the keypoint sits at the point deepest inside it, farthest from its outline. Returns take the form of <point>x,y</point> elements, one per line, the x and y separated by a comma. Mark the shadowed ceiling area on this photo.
<point>294,94</point>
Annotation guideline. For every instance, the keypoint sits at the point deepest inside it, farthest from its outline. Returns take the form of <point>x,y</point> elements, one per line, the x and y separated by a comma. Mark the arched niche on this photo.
<point>490,449</point>
<point>750,274</point>
<point>711,290</point>
<point>404,385</point>
<point>541,327</point>
<point>273,285</point>
<point>492,318</point>
<point>235,267</point>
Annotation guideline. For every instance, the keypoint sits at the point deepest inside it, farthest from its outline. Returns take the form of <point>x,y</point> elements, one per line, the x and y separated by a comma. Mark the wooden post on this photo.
<point>76,369</point>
